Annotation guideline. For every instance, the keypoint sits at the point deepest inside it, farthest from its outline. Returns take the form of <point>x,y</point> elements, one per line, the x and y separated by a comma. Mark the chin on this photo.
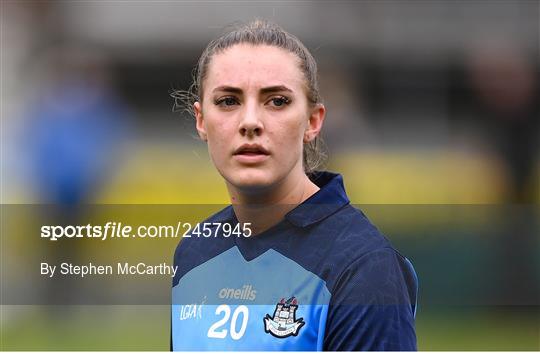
<point>251,179</point>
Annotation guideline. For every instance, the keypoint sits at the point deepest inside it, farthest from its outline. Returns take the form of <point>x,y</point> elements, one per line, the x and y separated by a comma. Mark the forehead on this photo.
<point>249,66</point>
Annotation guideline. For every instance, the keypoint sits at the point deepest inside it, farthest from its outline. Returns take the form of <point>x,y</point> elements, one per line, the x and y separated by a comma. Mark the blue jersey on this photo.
<point>324,278</point>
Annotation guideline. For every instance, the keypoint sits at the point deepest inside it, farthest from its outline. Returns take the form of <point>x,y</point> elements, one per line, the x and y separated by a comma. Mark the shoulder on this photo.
<point>373,291</point>
<point>374,270</point>
<point>224,215</point>
<point>366,248</point>
<point>353,235</point>
<point>377,277</point>
<point>192,250</point>
<point>346,241</point>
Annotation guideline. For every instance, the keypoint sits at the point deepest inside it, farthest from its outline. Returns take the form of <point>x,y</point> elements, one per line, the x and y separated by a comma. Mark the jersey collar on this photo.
<point>327,200</point>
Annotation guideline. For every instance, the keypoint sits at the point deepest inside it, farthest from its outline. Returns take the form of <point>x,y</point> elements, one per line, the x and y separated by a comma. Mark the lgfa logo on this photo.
<point>245,293</point>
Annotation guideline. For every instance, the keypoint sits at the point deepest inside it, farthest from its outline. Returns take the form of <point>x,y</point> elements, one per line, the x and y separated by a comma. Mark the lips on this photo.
<point>251,149</point>
<point>251,154</point>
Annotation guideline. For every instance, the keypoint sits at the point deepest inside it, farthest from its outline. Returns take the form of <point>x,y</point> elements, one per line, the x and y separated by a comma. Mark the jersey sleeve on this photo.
<point>373,305</point>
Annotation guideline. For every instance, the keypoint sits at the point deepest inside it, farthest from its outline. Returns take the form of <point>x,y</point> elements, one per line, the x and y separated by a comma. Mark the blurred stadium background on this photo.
<point>431,104</point>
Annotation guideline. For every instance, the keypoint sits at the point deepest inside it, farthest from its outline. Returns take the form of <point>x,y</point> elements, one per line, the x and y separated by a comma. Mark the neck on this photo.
<point>266,207</point>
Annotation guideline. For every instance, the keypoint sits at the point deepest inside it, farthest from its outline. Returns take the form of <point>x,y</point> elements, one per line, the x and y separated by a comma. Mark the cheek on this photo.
<point>219,140</point>
<point>290,135</point>
<point>219,136</point>
<point>218,127</point>
<point>298,125</point>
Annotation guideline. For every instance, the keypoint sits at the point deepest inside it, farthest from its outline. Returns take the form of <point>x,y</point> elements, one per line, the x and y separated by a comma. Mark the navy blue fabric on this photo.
<point>373,287</point>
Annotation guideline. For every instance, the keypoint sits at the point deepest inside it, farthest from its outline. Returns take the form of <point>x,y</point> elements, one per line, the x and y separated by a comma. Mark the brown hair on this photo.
<point>260,32</point>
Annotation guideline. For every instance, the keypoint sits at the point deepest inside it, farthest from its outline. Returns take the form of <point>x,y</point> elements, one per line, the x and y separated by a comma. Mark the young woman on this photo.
<point>290,264</point>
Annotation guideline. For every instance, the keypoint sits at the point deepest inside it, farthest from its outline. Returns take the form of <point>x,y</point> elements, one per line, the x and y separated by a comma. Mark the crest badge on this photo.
<point>284,323</point>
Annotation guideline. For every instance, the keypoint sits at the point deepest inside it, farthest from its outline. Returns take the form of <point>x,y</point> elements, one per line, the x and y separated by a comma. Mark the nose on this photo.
<point>251,123</point>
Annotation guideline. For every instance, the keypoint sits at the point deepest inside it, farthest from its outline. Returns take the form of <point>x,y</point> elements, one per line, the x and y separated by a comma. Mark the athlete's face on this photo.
<point>255,115</point>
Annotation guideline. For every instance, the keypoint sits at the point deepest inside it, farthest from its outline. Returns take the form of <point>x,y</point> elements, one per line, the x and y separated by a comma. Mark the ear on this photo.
<point>315,123</point>
<point>199,121</point>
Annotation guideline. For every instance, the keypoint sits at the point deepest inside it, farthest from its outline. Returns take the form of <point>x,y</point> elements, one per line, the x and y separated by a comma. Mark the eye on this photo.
<point>226,101</point>
<point>280,101</point>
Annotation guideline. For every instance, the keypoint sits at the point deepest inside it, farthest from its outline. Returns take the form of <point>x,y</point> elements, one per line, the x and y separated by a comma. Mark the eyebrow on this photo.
<point>269,89</point>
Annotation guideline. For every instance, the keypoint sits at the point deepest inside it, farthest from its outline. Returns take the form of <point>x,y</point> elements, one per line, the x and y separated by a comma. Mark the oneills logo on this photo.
<point>245,293</point>
<point>284,323</point>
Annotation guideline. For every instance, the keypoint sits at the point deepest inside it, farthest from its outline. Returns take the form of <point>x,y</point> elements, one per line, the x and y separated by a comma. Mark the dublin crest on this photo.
<point>284,323</point>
